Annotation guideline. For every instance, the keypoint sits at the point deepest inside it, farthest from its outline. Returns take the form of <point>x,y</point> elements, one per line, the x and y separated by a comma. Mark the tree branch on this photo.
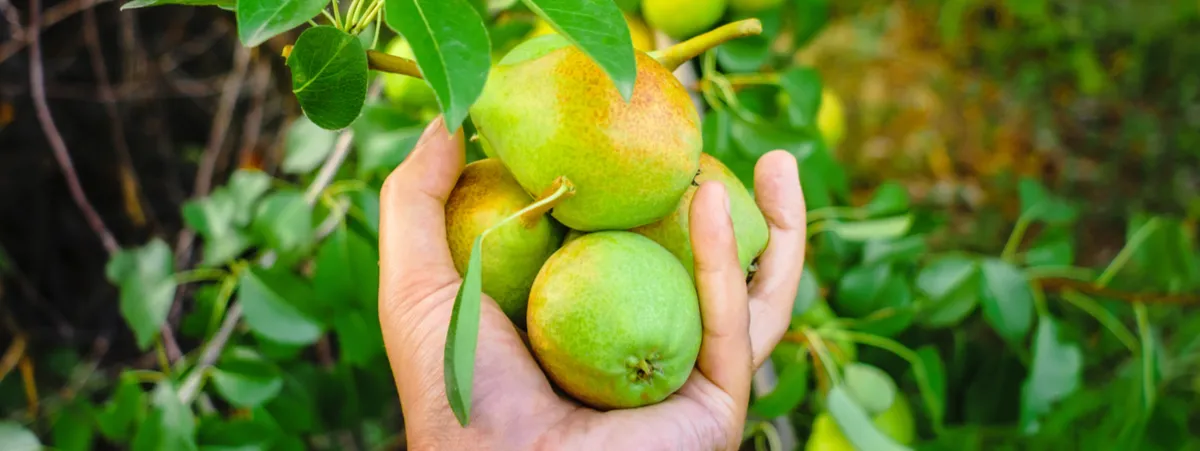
<point>37,84</point>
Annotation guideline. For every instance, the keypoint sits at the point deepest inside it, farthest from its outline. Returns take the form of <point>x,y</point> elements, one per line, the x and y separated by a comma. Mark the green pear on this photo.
<point>749,225</point>
<point>681,19</point>
<point>548,110</point>
<point>753,6</point>
<point>512,254</point>
<point>614,320</point>
<point>407,92</point>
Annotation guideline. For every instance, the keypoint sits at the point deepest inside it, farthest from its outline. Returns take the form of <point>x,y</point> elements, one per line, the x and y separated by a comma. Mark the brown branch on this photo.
<point>254,117</point>
<point>52,16</point>
<point>38,90</point>
<point>1060,283</point>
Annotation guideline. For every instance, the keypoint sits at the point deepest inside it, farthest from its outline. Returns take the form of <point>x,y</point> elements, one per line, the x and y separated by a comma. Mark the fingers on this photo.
<point>773,290</point>
<point>725,348</point>
<point>412,225</point>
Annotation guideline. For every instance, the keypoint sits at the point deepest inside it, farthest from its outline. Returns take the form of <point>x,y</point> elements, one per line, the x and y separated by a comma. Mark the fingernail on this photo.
<point>431,129</point>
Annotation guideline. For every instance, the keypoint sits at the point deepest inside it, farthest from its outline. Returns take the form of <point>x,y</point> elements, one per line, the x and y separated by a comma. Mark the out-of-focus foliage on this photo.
<point>1002,213</point>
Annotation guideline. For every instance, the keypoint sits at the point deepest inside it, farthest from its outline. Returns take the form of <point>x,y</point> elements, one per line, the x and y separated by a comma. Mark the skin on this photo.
<point>514,404</point>
<point>748,222</point>
<point>549,110</point>
<point>484,195</point>
<point>614,320</point>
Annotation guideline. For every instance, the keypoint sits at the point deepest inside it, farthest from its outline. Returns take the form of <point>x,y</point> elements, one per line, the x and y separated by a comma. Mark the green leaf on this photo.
<point>124,411</point>
<point>856,425</point>
<point>295,409</point>
<point>245,379</point>
<point>859,290</point>
<point>75,428</point>
<point>755,140</point>
<point>897,296</point>
<point>1041,205</point>
<point>601,33</point>
<point>347,273</point>
<point>367,203</point>
<point>889,199</point>
<point>935,373</point>
<point>823,179</point>
<point>892,227</point>
<point>306,146</point>
<point>1055,374</point>
<point>16,437</point>
<point>789,392</point>
<point>271,301</point>
<point>811,16</point>
<point>360,338</point>
<point>227,5</point>
<point>802,88</point>
<point>221,216</point>
<point>462,337</point>
<point>873,388</point>
<point>1007,299</point>
<point>329,76</point>
<point>452,50</point>
<point>255,432</point>
<point>951,284</point>
<point>145,277</point>
<point>1054,247</point>
<point>746,54</point>
<point>260,20</point>
<point>170,424</point>
<point>906,249</point>
<point>383,137</point>
<point>809,292</point>
<point>285,222</point>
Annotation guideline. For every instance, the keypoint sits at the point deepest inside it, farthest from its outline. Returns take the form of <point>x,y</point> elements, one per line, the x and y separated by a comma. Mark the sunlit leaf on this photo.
<point>1041,205</point>
<point>601,33</point>
<point>245,379</point>
<point>890,198</point>
<point>1055,373</point>
<point>284,222</point>
<point>169,425</point>
<point>855,423</point>
<point>452,50</point>
<point>1007,299</point>
<point>461,339</point>
<point>145,277</point>
<point>329,76</point>
<point>873,388</point>
<point>271,301</point>
<point>871,229</point>
<point>259,20</point>
<point>16,437</point>
<point>306,146</point>
<point>227,5</point>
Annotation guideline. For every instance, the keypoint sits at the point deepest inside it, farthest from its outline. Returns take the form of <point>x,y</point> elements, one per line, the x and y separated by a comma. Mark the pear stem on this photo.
<point>558,192</point>
<point>384,62</point>
<point>674,56</point>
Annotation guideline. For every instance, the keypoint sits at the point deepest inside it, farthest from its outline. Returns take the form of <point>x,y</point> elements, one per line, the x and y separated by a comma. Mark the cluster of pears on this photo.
<point>597,271</point>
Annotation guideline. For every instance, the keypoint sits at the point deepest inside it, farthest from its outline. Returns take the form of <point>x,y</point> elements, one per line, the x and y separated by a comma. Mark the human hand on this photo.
<point>514,405</point>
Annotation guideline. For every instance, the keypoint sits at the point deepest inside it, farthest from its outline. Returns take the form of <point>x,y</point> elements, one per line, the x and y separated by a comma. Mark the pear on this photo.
<point>572,234</point>
<point>681,19</point>
<point>896,422</point>
<point>547,110</point>
<point>643,38</point>
<point>406,92</point>
<point>614,320</point>
<point>512,255</point>
<point>749,225</point>
<point>753,6</point>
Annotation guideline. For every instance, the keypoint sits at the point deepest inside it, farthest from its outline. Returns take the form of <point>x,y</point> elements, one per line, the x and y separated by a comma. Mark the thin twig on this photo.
<point>133,188</point>
<point>254,117</point>
<point>52,16</point>
<point>38,90</point>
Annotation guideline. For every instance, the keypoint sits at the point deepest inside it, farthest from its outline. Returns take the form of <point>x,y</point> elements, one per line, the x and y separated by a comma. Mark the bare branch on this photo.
<point>38,90</point>
<point>52,16</point>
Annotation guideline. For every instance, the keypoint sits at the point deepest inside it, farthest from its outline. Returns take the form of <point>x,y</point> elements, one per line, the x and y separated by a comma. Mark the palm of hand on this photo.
<point>514,405</point>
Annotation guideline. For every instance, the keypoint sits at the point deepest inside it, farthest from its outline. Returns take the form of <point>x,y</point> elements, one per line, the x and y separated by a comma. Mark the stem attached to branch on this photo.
<point>558,192</point>
<point>384,62</point>
<point>674,56</point>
